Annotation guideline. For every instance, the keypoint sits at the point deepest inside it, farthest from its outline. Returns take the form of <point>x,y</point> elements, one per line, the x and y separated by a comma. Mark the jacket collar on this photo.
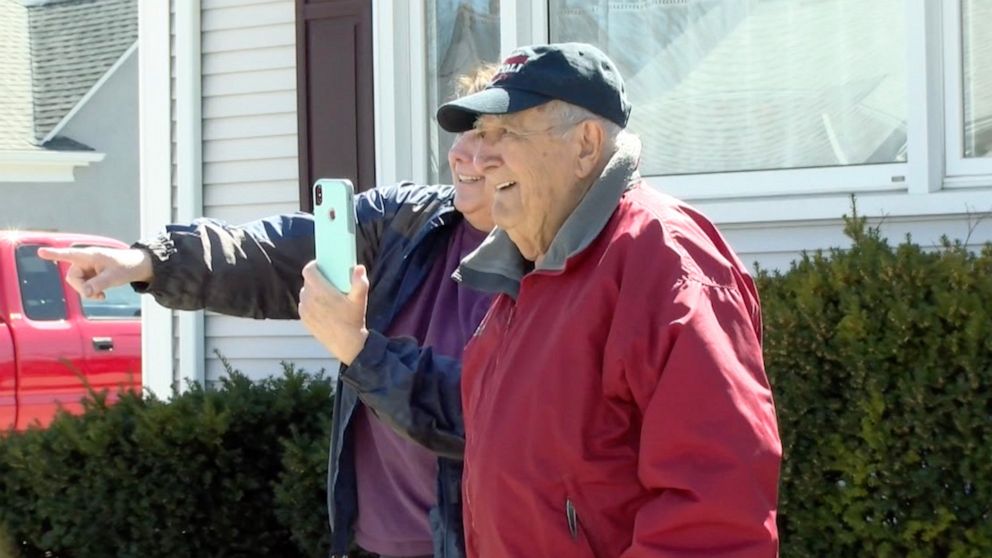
<point>497,265</point>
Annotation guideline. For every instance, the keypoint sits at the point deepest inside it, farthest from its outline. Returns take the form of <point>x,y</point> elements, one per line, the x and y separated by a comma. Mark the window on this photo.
<point>976,47</point>
<point>120,302</point>
<point>753,85</point>
<point>749,100</point>
<point>41,285</point>
<point>461,35</point>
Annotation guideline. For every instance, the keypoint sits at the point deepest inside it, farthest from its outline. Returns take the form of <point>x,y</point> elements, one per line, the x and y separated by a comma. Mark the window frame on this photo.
<point>957,164</point>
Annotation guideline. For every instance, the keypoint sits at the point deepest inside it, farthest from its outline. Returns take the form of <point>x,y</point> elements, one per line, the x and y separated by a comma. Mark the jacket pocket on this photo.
<point>572,511</point>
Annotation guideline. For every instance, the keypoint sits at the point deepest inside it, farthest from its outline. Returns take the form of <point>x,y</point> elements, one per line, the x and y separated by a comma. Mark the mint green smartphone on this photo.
<point>334,230</point>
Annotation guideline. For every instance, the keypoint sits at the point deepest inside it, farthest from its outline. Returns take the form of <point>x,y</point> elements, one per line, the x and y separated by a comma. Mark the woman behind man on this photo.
<point>394,482</point>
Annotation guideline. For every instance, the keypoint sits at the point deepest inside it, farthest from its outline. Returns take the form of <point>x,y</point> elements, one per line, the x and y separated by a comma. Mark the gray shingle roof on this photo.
<point>59,50</point>
<point>73,43</point>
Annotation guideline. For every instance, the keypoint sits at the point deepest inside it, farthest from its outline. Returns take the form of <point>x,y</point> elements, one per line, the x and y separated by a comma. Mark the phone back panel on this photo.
<point>334,230</point>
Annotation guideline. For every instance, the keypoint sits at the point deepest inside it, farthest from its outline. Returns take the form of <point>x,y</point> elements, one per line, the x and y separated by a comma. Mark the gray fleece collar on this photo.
<point>497,265</point>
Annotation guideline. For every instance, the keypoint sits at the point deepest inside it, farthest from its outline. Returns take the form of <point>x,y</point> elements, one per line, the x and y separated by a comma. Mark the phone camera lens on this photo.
<point>319,195</point>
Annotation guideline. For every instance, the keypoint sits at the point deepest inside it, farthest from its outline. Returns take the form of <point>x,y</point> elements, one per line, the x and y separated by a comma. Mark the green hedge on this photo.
<point>880,358</point>
<point>236,471</point>
<point>881,363</point>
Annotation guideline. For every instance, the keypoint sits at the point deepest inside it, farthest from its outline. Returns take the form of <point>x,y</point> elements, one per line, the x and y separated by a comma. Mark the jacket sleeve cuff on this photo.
<point>360,375</point>
<point>160,248</point>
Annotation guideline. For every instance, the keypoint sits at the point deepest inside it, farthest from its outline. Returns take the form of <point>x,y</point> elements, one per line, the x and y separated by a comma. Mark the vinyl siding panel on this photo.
<point>249,104</point>
<point>250,193</point>
<point>280,169</point>
<point>249,38</point>
<point>270,58</point>
<point>246,127</point>
<point>259,352</point>
<point>246,15</point>
<point>240,149</point>
<point>212,4</point>
<point>247,81</point>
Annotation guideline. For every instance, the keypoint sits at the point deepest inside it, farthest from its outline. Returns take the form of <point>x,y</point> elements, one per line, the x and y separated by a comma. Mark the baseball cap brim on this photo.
<point>459,115</point>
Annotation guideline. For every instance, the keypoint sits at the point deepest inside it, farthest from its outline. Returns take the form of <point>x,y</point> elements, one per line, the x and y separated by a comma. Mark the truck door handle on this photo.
<point>103,343</point>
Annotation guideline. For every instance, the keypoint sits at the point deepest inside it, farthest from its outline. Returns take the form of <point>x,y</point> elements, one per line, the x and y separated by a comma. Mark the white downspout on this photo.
<point>189,170</point>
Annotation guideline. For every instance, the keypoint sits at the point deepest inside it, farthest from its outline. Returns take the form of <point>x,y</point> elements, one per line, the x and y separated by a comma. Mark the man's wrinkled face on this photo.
<point>529,160</point>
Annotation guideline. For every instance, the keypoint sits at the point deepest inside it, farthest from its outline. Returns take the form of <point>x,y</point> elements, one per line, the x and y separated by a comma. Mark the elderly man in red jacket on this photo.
<point>615,399</point>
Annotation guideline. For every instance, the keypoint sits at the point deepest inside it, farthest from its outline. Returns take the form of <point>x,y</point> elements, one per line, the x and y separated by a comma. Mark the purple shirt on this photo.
<point>397,479</point>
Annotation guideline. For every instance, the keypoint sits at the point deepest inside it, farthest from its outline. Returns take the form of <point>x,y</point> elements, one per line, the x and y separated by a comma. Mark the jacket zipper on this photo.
<point>573,519</point>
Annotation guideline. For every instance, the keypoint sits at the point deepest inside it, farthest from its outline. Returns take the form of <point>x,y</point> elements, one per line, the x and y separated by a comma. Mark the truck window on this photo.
<point>121,302</point>
<point>41,285</point>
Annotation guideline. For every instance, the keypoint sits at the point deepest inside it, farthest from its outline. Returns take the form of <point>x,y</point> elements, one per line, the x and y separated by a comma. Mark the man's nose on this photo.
<point>486,156</point>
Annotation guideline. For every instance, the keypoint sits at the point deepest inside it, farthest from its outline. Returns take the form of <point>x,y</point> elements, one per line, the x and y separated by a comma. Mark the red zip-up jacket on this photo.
<point>615,399</point>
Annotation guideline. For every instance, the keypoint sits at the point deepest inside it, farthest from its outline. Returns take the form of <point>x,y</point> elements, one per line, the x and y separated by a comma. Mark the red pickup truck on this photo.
<point>52,342</point>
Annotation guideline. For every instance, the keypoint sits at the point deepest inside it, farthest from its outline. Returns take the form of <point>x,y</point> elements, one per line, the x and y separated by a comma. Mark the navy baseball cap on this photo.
<point>577,73</point>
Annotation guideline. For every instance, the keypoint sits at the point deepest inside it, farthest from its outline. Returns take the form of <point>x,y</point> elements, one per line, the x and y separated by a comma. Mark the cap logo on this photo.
<point>511,65</point>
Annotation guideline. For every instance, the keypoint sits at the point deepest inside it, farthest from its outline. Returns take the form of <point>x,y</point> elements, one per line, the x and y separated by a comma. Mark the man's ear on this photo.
<point>591,138</point>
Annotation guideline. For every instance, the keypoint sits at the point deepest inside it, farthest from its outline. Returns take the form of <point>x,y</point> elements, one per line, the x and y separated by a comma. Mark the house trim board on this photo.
<point>155,168</point>
<point>43,165</point>
<point>189,169</point>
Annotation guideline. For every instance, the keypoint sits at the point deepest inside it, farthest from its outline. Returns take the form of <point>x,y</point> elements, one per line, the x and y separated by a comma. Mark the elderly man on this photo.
<point>615,399</point>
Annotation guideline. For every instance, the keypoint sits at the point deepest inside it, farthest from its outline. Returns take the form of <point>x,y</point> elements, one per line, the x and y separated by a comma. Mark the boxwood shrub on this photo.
<point>234,471</point>
<point>881,363</point>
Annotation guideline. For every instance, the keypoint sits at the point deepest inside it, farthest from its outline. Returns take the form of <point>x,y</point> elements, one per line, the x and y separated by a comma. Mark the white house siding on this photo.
<point>775,245</point>
<point>250,162</point>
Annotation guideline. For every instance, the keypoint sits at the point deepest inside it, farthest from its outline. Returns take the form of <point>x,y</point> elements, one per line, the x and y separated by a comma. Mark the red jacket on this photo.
<point>616,404</point>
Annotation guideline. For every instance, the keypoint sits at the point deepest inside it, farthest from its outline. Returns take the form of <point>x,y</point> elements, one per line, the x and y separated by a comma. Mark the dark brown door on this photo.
<point>334,93</point>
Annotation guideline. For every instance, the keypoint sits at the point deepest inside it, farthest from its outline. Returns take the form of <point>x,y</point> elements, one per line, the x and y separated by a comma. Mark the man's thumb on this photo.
<point>100,282</point>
